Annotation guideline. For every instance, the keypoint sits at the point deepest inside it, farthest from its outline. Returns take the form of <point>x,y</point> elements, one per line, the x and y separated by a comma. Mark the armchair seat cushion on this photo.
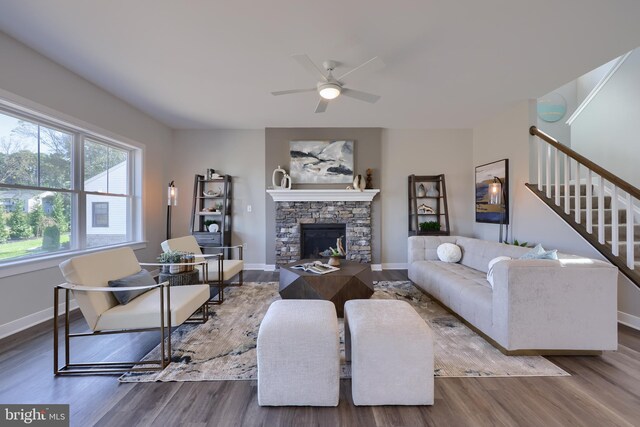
<point>230,268</point>
<point>144,310</point>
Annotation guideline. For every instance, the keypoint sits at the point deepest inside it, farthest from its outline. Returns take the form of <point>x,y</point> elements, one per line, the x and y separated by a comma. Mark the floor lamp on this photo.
<point>497,196</point>
<point>172,200</point>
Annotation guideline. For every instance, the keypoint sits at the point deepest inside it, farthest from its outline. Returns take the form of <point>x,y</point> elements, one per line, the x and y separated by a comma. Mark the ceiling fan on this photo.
<point>330,87</point>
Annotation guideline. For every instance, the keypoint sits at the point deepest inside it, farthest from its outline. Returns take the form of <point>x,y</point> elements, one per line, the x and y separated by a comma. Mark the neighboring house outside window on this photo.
<point>53,174</point>
<point>100,216</point>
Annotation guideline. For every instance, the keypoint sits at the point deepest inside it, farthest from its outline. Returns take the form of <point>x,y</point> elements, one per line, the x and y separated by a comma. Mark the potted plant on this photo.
<point>430,226</point>
<point>165,258</point>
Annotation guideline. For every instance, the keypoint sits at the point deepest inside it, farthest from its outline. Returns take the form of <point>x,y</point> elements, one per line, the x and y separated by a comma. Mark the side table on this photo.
<point>181,279</point>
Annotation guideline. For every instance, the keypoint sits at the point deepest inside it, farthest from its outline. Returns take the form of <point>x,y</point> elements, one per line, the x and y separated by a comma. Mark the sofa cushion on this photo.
<point>421,249</point>
<point>477,253</point>
<point>230,268</point>
<point>144,311</point>
<point>462,289</point>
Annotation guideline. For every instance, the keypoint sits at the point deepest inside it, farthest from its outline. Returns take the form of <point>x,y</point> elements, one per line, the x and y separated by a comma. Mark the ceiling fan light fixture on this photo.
<point>329,90</point>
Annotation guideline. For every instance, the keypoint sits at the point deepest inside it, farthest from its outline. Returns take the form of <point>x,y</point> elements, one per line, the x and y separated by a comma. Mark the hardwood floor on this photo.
<point>602,391</point>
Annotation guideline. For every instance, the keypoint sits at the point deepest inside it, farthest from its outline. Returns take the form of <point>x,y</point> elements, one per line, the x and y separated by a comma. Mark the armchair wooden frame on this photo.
<point>69,368</point>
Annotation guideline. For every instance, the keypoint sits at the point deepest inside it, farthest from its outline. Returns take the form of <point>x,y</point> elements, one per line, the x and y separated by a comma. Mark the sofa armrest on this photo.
<point>421,248</point>
<point>555,305</point>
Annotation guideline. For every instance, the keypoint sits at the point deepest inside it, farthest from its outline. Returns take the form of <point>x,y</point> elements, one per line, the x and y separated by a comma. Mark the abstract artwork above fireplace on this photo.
<point>321,162</point>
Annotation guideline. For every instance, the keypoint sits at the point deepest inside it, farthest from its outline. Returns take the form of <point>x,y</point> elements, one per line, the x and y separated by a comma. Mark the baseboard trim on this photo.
<point>269,267</point>
<point>629,320</point>
<point>255,267</point>
<point>31,320</point>
<point>376,267</point>
<point>395,266</point>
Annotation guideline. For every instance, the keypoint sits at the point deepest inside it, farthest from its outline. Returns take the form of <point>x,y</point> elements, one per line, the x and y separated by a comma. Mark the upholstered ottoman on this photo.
<point>391,352</point>
<point>299,355</point>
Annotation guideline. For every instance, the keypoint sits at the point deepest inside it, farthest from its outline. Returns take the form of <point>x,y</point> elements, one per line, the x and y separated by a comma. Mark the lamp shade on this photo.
<point>495,193</point>
<point>172,195</point>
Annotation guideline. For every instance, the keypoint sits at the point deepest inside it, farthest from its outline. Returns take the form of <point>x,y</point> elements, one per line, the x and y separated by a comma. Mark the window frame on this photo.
<point>78,229</point>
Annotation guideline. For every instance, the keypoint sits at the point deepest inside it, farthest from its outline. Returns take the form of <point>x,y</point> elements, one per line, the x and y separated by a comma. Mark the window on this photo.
<point>100,212</point>
<point>62,189</point>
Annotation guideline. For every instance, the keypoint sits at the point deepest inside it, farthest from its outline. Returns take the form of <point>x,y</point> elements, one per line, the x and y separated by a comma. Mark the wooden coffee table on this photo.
<point>352,281</point>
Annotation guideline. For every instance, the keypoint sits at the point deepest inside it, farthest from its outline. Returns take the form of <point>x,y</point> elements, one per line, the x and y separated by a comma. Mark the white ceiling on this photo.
<point>213,64</point>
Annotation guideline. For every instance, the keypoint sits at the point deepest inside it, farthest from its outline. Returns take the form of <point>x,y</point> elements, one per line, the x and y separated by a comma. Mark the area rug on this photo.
<point>224,348</point>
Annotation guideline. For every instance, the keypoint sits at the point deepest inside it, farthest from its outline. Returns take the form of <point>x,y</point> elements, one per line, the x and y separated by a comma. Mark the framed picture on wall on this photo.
<point>321,162</point>
<point>486,211</point>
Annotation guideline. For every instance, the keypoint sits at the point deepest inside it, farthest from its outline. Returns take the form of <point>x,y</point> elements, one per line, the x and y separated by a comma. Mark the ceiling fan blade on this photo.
<point>287,92</point>
<point>322,105</point>
<point>310,66</point>
<point>374,63</point>
<point>359,95</point>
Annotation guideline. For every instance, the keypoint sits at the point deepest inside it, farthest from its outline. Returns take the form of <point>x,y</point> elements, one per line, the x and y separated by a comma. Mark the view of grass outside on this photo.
<point>27,247</point>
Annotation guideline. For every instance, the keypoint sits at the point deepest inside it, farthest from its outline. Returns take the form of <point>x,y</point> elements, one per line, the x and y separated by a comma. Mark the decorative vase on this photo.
<point>278,177</point>
<point>420,191</point>
<point>174,269</point>
<point>285,183</point>
<point>334,261</point>
<point>433,191</point>
<point>358,183</point>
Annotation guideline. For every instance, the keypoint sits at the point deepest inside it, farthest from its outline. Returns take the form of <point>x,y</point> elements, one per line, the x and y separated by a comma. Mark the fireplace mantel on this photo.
<point>323,195</point>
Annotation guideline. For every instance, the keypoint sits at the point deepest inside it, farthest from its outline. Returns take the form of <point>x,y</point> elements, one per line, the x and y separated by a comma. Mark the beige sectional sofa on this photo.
<point>539,306</point>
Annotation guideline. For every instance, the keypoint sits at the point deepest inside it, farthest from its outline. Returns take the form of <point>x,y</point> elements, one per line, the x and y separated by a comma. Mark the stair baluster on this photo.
<point>630,245</point>
<point>589,202</point>
<point>600,208</point>
<point>614,220</point>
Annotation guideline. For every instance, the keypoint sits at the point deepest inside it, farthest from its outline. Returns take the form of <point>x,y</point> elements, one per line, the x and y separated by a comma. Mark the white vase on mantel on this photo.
<point>278,177</point>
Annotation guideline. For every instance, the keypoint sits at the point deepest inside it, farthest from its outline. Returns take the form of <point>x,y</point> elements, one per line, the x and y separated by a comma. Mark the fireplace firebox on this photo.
<point>316,238</point>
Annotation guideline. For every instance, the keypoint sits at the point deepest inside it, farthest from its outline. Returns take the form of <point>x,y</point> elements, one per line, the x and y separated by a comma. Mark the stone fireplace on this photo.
<point>356,216</point>
<point>317,209</point>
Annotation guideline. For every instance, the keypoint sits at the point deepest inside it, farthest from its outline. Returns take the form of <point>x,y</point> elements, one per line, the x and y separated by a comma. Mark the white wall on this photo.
<point>423,152</point>
<point>607,129</point>
<point>506,135</point>
<point>239,153</point>
<point>29,78</point>
<point>560,130</point>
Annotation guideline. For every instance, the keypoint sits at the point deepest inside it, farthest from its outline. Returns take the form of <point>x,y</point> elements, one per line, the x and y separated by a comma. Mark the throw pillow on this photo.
<point>141,278</point>
<point>448,252</point>
<point>540,253</point>
<point>490,268</point>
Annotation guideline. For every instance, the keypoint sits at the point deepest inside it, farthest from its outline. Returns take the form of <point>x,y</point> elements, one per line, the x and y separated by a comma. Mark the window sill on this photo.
<point>53,260</point>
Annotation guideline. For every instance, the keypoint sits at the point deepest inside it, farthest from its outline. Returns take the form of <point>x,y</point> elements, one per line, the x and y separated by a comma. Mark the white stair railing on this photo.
<point>623,196</point>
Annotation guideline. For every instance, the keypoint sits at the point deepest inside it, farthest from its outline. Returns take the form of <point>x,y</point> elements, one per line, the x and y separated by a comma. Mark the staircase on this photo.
<point>600,206</point>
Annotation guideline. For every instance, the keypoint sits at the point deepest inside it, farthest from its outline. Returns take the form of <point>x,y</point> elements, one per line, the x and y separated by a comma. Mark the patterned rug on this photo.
<point>224,348</point>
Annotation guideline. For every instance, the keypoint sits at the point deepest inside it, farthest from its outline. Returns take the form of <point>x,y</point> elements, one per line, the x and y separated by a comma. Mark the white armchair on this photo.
<point>219,269</point>
<point>160,307</point>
